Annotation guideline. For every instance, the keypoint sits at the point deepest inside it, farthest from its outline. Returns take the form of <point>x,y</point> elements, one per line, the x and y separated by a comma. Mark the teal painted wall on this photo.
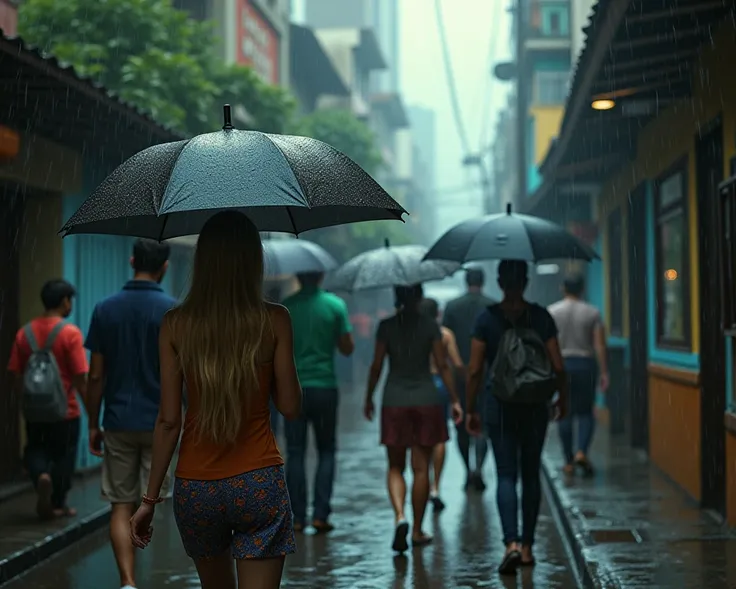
<point>98,266</point>
<point>545,64</point>
<point>674,359</point>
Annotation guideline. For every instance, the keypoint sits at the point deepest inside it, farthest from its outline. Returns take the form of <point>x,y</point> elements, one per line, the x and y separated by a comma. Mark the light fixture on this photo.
<point>603,104</point>
<point>670,274</point>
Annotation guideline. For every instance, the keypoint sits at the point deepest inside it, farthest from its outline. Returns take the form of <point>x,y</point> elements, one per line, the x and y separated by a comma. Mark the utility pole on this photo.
<point>485,180</point>
<point>521,101</point>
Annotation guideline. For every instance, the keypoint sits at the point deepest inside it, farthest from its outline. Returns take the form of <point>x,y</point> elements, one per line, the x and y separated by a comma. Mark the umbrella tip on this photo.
<point>508,208</point>
<point>227,114</point>
<point>386,243</point>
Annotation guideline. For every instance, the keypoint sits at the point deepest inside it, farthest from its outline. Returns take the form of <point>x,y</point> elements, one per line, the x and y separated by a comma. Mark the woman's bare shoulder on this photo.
<point>279,315</point>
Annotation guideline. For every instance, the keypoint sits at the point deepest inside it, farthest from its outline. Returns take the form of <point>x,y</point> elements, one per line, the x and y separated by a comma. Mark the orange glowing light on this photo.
<point>670,274</point>
<point>603,104</point>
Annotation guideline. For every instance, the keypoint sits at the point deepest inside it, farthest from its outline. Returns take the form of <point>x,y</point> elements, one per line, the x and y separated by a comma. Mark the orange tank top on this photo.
<point>254,448</point>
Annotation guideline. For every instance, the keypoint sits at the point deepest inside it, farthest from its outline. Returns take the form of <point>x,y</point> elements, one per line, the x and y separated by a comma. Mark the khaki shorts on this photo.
<point>126,467</point>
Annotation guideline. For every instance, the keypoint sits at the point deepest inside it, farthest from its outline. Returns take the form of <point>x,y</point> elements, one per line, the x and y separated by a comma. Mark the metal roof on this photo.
<point>41,95</point>
<point>639,53</point>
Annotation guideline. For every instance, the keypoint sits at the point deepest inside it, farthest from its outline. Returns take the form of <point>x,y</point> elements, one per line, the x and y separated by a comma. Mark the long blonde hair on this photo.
<point>219,327</point>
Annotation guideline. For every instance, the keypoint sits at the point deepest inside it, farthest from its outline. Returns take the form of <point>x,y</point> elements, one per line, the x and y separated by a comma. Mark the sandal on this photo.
<point>422,540</point>
<point>585,465</point>
<point>322,527</point>
<point>401,532</point>
<point>510,563</point>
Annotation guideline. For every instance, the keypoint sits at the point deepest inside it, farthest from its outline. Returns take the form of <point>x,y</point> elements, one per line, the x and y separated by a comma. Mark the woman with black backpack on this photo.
<point>518,340</point>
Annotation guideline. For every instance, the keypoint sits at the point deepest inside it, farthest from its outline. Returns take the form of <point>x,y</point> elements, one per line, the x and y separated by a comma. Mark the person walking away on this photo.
<point>431,309</point>
<point>518,409</point>
<point>235,352</point>
<point>321,326</point>
<point>582,338</point>
<point>124,371</point>
<point>48,367</point>
<point>459,317</point>
<point>412,409</point>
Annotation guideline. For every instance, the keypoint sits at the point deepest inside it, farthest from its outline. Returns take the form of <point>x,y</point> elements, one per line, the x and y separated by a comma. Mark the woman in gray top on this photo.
<point>412,411</point>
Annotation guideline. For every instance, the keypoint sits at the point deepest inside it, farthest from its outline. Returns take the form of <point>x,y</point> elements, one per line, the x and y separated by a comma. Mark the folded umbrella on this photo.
<point>389,266</point>
<point>508,236</point>
<point>283,183</point>
<point>295,256</point>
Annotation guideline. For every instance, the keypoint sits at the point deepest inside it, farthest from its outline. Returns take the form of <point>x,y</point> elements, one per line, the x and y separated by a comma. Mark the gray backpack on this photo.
<point>44,397</point>
<point>522,371</point>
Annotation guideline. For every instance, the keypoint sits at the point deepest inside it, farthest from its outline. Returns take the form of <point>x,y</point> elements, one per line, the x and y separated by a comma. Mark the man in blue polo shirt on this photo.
<point>124,371</point>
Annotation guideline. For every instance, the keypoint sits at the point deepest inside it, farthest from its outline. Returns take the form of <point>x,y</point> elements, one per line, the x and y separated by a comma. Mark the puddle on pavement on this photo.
<point>608,536</point>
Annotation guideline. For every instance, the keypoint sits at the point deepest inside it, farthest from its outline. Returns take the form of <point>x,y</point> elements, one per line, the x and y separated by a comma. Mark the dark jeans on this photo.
<point>583,378</point>
<point>517,434</point>
<point>320,409</point>
<point>464,440</point>
<point>52,450</point>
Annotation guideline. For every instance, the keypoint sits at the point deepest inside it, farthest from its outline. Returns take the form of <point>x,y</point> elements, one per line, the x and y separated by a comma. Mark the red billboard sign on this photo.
<point>258,42</point>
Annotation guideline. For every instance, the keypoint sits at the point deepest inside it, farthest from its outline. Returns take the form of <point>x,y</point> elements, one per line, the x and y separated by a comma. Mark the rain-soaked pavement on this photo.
<point>636,529</point>
<point>357,554</point>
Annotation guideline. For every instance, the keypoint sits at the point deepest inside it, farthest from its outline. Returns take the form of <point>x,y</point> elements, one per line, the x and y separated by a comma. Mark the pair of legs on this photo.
<point>420,458</point>
<point>246,518</point>
<point>50,454</point>
<point>583,377</point>
<point>517,440</point>
<point>125,469</point>
<point>439,451</point>
<point>319,409</point>
<point>466,443</point>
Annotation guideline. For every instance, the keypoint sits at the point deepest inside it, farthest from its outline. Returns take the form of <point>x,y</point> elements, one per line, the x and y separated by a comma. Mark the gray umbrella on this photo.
<point>388,266</point>
<point>508,237</point>
<point>294,256</point>
<point>283,183</point>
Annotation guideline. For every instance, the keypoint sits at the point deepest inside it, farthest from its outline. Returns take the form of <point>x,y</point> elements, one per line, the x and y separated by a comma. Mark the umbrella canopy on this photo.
<point>508,236</point>
<point>283,183</point>
<point>389,266</point>
<point>295,256</point>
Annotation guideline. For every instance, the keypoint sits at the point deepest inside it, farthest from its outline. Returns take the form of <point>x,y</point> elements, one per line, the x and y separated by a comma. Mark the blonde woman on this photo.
<point>232,349</point>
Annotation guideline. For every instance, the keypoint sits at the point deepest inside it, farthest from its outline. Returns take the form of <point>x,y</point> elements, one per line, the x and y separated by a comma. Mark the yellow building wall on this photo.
<point>547,121</point>
<point>674,403</point>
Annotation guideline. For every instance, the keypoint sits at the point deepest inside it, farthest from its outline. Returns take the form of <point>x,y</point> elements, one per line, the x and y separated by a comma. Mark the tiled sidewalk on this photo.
<point>630,527</point>
<point>25,541</point>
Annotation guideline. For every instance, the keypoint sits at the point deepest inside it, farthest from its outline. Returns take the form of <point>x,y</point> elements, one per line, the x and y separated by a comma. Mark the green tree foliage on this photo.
<point>154,56</point>
<point>348,134</point>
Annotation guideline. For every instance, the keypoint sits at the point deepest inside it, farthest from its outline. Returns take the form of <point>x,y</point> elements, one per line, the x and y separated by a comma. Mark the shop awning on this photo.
<point>41,96</point>
<point>638,54</point>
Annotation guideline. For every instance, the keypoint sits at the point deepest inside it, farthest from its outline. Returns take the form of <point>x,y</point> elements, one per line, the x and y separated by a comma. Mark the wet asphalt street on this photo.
<point>357,554</point>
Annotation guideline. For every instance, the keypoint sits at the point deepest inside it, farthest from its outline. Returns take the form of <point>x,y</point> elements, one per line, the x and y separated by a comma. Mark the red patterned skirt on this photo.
<point>413,426</point>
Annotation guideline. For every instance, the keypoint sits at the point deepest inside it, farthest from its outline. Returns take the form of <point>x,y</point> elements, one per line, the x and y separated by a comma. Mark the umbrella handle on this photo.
<point>227,115</point>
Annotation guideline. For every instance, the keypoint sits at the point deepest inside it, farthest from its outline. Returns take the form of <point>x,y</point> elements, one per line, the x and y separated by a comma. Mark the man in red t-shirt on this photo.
<point>51,448</point>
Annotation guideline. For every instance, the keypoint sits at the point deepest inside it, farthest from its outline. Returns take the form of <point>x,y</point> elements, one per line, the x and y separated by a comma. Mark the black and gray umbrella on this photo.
<point>389,266</point>
<point>294,256</point>
<point>508,236</point>
<point>283,183</point>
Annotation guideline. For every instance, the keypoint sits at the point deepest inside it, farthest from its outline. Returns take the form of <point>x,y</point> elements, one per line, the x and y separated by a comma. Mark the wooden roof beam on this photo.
<point>646,62</point>
<point>686,9</point>
<point>673,36</point>
<point>681,69</point>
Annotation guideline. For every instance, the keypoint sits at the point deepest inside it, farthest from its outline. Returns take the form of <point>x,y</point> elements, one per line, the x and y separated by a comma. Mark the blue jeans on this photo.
<point>320,409</point>
<point>583,377</point>
<point>517,434</point>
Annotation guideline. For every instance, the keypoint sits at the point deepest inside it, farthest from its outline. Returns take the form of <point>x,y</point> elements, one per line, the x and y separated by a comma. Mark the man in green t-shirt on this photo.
<point>321,326</point>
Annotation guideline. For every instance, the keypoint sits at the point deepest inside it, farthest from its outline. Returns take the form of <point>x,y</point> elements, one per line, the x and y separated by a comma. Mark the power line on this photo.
<point>450,75</point>
<point>492,51</point>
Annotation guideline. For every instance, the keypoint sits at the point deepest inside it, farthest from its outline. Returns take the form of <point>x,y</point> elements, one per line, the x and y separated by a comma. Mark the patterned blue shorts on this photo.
<point>250,514</point>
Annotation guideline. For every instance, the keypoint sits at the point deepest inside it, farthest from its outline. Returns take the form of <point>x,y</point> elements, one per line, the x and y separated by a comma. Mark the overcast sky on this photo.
<point>469,25</point>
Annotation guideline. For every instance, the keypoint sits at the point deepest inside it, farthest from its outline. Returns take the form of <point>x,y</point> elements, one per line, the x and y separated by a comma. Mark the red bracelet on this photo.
<point>149,501</point>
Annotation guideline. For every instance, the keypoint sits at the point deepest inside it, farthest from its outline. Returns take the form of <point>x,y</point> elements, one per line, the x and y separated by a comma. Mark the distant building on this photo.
<point>423,130</point>
<point>250,32</point>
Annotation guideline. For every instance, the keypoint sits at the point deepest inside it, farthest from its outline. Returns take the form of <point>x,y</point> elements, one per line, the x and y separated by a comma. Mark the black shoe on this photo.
<point>437,503</point>
<point>478,483</point>
<point>510,563</point>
